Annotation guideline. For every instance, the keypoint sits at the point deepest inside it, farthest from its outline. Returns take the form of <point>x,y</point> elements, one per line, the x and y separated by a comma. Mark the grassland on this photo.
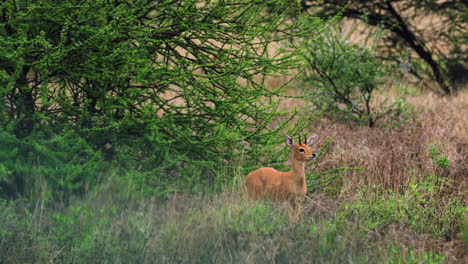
<point>382,195</point>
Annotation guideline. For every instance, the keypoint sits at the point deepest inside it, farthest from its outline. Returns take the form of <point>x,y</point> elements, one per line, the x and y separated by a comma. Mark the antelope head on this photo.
<point>303,150</point>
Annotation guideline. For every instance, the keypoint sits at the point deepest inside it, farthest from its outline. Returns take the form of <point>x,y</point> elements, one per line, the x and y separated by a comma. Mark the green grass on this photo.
<point>106,227</point>
<point>420,208</point>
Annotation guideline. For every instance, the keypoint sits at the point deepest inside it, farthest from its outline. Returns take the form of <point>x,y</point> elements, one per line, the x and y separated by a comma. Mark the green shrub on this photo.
<point>341,78</point>
<point>440,161</point>
<point>49,168</point>
<point>175,91</point>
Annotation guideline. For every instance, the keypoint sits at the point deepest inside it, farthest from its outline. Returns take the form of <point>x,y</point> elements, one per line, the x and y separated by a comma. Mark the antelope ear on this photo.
<point>290,142</point>
<point>311,141</point>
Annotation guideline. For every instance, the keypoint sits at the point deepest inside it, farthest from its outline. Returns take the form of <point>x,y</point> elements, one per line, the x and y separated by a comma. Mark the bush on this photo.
<point>50,168</point>
<point>340,78</point>
<point>167,87</point>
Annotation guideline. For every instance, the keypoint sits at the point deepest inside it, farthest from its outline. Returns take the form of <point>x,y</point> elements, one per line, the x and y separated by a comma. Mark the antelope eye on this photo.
<point>301,150</point>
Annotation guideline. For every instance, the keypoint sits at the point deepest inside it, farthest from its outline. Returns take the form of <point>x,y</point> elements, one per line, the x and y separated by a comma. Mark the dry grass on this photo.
<point>393,158</point>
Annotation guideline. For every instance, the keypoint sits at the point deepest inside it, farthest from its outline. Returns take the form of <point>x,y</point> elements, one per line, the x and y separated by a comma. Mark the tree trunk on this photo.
<point>403,31</point>
<point>383,13</point>
<point>25,106</point>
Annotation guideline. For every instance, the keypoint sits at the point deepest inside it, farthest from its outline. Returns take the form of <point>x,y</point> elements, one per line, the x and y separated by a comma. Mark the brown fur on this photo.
<point>283,186</point>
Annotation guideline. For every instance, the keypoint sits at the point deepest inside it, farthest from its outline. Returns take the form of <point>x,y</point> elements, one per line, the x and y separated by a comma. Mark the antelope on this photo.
<point>283,186</point>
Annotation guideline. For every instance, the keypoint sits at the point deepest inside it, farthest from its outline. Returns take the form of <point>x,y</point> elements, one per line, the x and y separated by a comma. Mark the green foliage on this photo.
<point>409,256</point>
<point>415,47</point>
<point>420,208</point>
<point>52,168</point>
<point>167,87</point>
<point>441,161</point>
<point>341,78</point>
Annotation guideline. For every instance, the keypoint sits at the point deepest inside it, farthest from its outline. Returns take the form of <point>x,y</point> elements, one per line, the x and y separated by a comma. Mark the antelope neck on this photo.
<point>298,168</point>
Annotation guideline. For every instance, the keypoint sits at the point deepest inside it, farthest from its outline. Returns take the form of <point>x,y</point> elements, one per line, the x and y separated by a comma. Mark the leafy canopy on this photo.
<point>155,82</point>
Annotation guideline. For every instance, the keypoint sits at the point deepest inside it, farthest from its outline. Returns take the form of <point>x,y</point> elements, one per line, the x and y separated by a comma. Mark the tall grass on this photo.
<point>377,196</point>
<point>220,228</point>
<point>393,158</point>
